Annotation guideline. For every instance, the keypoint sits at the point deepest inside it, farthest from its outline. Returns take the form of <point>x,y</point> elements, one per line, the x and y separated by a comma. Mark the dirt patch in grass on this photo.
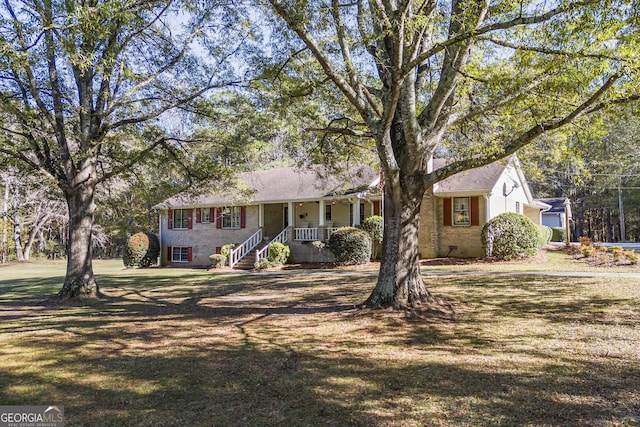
<point>193,348</point>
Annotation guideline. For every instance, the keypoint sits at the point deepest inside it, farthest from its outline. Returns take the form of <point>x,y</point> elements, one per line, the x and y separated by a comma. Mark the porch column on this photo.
<point>356,213</point>
<point>261,215</point>
<point>290,210</point>
<point>290,235</point>
<point>321,213</point>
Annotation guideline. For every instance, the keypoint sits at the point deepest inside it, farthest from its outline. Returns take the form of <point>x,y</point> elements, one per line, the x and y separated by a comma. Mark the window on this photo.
<point>181,218</point>
<point>206,215</point>
<point>231,217</point>
<point>327,213</point>
<point>517,207</point>
<point>461,211</point>
<point>179,254</point>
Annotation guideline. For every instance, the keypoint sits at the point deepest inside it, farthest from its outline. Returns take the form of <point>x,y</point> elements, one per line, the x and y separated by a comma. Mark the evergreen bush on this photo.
<point>544,235</point>
<point>226,249</point>
<point>142,250</point>
<point>510,236</point>
<point>278,253</point>
<point>350,245</point>
<point>559,234</point>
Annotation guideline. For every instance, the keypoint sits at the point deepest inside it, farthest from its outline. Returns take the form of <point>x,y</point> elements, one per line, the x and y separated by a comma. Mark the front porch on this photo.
<point>317,220</point>
<point>299,223</point>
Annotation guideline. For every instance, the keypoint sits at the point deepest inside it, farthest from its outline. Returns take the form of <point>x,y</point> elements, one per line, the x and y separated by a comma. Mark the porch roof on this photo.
<point>278,185</point>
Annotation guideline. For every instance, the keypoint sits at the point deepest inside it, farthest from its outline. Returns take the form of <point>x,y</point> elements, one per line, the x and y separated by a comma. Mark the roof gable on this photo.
<point>478,180</point>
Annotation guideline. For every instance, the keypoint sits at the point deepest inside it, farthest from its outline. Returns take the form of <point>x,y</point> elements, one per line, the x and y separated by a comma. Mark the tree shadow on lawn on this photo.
<point>554,299</point>
<point>232,350</point>
<point>248,384</point>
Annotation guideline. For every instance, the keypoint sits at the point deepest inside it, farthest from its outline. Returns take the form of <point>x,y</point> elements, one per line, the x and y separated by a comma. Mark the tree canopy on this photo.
<point>477,80</point>
<point>87,88</point>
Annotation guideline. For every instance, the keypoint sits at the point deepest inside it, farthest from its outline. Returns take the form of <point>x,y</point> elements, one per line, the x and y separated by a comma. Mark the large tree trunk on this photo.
<point>400,284</point>
<point>79,282</point>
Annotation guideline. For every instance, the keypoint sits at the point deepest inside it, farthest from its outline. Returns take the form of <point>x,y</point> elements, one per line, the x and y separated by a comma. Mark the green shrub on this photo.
<point>374,225</point>
<point>264,263</point>
<point>510,236</point>
<point>559,234</point>
<point>226,249</point>
<point>544,235</point>
<point>350,245</point>
<point>278,253</point>
<point>142,250</point>
<point>218,260</point>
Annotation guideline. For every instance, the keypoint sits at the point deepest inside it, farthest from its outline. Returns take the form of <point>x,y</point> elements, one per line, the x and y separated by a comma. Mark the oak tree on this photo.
<point>476,79</point>
<point>86,87</point>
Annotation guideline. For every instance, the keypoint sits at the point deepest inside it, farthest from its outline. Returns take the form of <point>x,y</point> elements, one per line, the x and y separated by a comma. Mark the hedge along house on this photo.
<point>452,216</point>
<point>284,205</point>
<point>297,207</point>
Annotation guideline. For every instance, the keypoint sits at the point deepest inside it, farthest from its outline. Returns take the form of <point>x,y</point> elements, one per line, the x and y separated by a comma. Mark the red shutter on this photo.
<point>376,208</point>
<point>189,254</point>
<point>189,219</point>
<point>170,225</point>
<point>474,207</point>
<point>243,217</point>
<point>218,249</point>
<point>446,211</point>
<point>219,218</point>
<point>198,216</point>
<point>212,215</point>
<point>169,253</point>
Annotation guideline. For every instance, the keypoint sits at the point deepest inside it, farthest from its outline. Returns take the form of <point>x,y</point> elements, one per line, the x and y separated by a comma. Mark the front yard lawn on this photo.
<point>180,347</point>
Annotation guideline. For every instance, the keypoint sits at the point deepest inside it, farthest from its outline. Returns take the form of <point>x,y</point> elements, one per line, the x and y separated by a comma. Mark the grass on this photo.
<point>178,347</point>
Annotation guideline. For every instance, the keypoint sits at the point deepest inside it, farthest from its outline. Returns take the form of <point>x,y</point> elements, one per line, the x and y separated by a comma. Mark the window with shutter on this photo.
<point>181,219</point>
<point>205,215</point>
<point>446,211</point>
<point>475,210</point>
<point>461,211</point>
<point>219,218</point>
<point>231,217</point>
<point>180,254</point>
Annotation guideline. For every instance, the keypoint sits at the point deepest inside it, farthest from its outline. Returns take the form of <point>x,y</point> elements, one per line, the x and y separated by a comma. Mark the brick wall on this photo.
<point>435,238</point>
<point>203,238</point>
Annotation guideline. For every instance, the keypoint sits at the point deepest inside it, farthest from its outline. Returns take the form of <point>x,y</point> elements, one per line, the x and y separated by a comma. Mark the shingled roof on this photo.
<point>557,204</point>
<point>481,179</point>
<point>287,183</point>
<point>278,185</point>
